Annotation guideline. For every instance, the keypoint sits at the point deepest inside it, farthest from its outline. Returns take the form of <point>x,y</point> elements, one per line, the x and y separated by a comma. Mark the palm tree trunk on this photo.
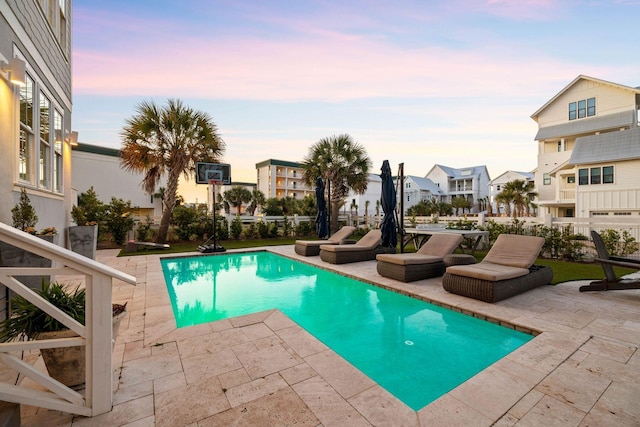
<point>170,202</point>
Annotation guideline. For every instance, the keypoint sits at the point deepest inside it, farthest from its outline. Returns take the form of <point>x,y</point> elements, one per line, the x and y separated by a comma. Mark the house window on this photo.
<point>607,175</point>
<point>57,155</point>
<point>45,135</point>
<point>583,176</point>
<point>546,179</point>
<point>571,179</point>
<point>583,108</point>
<point>498,187</point>
<point>591,107</point>
<point>26,149</point>
<point>597,175</point>
<point>40,158</point>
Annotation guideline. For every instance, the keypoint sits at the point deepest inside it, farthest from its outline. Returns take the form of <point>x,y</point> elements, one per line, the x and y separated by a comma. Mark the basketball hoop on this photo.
<point>214,182</point>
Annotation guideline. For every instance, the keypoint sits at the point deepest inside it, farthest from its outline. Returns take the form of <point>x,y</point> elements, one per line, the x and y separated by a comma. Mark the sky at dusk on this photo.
<point>450,82</point>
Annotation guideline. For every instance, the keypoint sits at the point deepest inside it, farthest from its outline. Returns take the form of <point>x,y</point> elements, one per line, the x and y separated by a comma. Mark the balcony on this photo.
<point>567,194</point>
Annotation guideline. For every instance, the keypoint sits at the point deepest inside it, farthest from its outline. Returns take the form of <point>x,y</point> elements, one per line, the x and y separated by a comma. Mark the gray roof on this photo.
<point>457,172</point>
<point>588,125</point>
<point>607,147</point>
<point>425,184</point>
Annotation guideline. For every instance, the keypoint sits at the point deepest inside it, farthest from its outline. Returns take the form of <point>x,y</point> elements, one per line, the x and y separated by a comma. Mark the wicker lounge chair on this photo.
<point>312,247</point>
<point>363,250</point>
<point>506,270</point>
<point>426,262</point>
<point>611,282</point>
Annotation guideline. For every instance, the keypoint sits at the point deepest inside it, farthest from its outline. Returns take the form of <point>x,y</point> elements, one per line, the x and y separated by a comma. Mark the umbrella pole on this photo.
<point>329,210</point>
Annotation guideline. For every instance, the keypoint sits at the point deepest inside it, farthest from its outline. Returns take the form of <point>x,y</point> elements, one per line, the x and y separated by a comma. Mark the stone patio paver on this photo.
<point>582,368</point>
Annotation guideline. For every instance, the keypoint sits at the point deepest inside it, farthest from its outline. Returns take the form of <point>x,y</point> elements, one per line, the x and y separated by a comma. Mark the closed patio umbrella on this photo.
<point>388,226</point>
<point>321,219</point>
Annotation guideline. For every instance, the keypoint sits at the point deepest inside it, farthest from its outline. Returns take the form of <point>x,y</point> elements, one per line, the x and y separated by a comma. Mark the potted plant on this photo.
<point>24,218</point>
<point>65,364</point>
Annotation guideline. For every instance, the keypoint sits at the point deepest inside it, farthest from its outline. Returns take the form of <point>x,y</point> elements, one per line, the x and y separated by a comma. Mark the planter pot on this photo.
<point>83,239</point>
<point>12,256</point>
<point>67,364</point>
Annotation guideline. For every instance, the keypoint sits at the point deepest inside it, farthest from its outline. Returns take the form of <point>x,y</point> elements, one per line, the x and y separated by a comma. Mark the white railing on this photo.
<point>95,335</point>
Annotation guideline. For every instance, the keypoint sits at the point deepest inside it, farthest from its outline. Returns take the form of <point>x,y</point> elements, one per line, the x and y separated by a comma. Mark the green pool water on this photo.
<point>415,350</point>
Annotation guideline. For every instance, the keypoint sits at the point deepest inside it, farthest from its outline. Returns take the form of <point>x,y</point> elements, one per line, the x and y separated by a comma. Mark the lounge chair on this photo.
<point>611,281</point>
<point>312,247</point>
<point>364,249</point>
<point>425,263</point>
<point>505,271</point>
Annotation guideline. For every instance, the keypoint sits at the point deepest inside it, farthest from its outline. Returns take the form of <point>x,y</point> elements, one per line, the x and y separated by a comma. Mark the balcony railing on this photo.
<point>95,335</point>
<point>568,194</point>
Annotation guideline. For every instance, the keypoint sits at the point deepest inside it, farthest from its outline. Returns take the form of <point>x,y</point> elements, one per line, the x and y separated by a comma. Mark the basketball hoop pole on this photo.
<point>212,248</point>
<point>215,223</point>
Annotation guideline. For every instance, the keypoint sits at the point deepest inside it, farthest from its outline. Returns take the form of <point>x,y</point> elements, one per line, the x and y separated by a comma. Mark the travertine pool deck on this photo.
<point>582,369</point>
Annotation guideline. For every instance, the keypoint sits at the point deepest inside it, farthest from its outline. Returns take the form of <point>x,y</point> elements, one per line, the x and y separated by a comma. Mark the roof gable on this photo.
<point>535,115</point>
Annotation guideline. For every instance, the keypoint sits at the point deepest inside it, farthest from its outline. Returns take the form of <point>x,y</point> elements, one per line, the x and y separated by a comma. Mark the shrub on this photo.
<point>144,229</point>
<point>263,229</point>
<point>619,245</point>
<point>236,227</point>
<point>23,214</point>
<point>306,228</point>
<point>222,228</point>
<point>118,219</point>
<point>286,227</point>
<point>251,232</point>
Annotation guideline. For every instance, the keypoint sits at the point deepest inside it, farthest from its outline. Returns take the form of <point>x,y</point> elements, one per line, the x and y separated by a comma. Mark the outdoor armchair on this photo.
<point>506,270</point>
<point>363,250</point>
<point>611,281</point>
<point>425,263</point>
<point>312,247</point>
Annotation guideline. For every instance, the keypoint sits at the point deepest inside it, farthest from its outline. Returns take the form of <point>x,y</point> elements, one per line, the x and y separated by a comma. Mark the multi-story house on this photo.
<point>418,189</point>
<point>91,164</point>
<point>589,150</point>
<point>35,109</point>
<point>496,185</point>
<point>365,203</point>
<point>472,183</point>
<point>281,179</point>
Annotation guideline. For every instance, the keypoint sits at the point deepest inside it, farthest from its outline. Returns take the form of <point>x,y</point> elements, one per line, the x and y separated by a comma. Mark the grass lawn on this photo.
<point>563,271</point>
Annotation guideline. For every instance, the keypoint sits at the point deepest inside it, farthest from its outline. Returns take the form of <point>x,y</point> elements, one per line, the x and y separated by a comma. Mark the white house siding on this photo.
<point>372,195</point>
<point>546,164</point>
<point>610,99</point>
<point>25,33</point>
<point>622,196</point>
<point>99,168</point>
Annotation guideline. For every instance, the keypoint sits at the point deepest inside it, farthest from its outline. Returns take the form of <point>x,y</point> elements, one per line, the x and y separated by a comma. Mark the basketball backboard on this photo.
<point>206,172</point>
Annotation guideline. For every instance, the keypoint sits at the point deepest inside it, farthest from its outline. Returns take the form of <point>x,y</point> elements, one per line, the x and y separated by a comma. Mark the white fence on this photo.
<point>95,335</point>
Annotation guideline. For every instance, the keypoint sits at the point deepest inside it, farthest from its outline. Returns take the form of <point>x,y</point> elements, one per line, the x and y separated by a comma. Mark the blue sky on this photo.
<point>415,82</point>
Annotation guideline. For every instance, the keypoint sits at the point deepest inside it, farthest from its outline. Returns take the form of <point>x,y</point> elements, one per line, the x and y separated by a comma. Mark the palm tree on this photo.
<point>523,196</point>
<point>343,163</point>
<point>459,203</point>
<point>237,196</point>
<point>257,200</point>
<point>168,141</point>
<point>505,197</point>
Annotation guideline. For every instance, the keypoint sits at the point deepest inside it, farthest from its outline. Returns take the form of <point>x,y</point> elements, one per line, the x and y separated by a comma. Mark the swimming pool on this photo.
<point>415,350</point>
